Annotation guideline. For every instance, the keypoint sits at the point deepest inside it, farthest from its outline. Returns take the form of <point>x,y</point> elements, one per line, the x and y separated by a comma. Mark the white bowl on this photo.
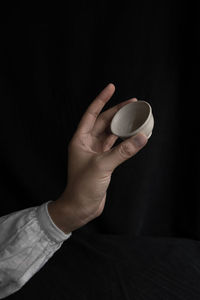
<point>132,118</point>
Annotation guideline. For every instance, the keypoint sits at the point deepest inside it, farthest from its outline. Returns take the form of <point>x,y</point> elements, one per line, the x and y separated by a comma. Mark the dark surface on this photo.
<point>145,245</point>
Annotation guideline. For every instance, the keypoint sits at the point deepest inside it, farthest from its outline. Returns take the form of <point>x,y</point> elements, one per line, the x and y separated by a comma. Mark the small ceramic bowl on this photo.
<point>132,118</point>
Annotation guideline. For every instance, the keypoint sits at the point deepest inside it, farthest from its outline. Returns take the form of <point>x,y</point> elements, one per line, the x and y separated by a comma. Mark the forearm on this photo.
<point>27,241</point>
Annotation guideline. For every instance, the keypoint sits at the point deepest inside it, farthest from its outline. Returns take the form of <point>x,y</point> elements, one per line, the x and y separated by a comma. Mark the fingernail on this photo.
<point>111,84</point>
<point>139,140</point>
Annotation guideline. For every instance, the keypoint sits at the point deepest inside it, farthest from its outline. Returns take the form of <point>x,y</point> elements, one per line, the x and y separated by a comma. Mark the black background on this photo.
<point>145,245</point>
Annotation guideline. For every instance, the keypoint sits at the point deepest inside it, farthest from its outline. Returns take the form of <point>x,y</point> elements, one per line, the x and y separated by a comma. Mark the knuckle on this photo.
<point>126,150</point>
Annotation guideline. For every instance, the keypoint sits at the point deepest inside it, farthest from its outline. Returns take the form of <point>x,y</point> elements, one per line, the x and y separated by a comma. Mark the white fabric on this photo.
<point>28,239</point>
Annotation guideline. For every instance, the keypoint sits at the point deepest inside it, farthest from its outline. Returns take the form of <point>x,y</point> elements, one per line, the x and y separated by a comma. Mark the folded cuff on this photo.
<point>49,227</point>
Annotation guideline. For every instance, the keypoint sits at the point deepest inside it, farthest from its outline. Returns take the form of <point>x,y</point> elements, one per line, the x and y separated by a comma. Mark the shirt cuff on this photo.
<point>49,227</point>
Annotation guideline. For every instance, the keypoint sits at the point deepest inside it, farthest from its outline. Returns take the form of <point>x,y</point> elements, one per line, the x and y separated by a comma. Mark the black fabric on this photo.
<point>112,267</point>
<point>145,245</point>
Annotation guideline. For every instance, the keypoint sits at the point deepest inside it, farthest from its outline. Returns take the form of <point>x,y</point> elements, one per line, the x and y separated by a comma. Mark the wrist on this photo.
<point>61,216</point>
<point>64,217</point>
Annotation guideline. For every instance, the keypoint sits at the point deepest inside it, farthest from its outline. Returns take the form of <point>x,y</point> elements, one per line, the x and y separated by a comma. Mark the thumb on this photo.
<point>122,152</point>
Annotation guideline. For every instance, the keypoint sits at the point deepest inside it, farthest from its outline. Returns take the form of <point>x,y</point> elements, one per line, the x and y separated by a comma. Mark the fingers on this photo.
<point>114,157</point>
<point>105,118</point>
<point>88,119</point>
<point>109,142</point>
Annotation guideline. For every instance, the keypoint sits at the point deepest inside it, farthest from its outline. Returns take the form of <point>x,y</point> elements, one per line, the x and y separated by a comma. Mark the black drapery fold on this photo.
<point>49,74</point>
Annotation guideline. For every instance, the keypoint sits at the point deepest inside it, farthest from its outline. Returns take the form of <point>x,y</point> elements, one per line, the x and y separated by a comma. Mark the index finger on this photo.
<point>88,119</point>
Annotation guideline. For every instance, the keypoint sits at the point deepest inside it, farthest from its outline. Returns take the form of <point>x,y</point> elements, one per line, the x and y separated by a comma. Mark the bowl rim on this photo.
<point>134,132</point>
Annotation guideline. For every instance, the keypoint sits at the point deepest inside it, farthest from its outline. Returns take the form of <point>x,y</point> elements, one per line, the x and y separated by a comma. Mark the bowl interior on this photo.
<point>130,117</point>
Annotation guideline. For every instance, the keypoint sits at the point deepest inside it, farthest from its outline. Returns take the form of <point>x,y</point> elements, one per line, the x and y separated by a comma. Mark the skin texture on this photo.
<point>91,161</point>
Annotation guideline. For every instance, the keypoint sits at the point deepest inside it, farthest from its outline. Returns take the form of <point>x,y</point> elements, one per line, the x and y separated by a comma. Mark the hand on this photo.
<point>91,161</point>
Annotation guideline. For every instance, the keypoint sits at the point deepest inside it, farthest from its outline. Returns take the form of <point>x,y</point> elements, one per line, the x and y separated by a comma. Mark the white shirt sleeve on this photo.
<point>28,239</point>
